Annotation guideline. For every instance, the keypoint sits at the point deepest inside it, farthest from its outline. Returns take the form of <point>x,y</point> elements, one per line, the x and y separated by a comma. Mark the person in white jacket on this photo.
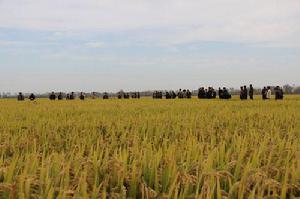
<point>269,93</point>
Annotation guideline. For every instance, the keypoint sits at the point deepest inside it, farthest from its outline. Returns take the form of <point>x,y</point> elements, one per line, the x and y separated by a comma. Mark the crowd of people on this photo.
<point>21,97</point>
<point>126,95</point>
<point>171,95</point>
<point>185,93</point>
<point>157,95</point>
<point>224,93</point>
<point>244,92</point>
<point>208,93</point>
<point>203,93</point>
<point>266,93</point>
<point>181,94</point>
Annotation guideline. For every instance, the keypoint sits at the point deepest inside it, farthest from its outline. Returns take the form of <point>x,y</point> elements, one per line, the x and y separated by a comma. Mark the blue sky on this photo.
<point>108,45</point>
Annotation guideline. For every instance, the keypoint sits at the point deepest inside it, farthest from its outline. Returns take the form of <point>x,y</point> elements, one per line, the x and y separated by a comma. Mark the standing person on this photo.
<point>242,93</point>
<point>119,95</point>
<point>184,94</point>
<point>52,96</point>
<point>105,95</point>
<point>245,92</point>
<point>160,95</point>
<point>72,96</point>
<point>278,93</point>
<point>173,95</point>
<point>188,94</point>
<point>251,92</point>
<point>168,96</point>
<point>220,93</point>
<point>269,93</point>
<point>60,96</point>
<point>32,97</point>
<point>226,94</point>
<point>180,94</point>
<point>81,96</point>
<point>201,93</point>
<point>209,93</point>
<point>21,97</point>
<point>214,93</point>
<point>206,93</point>
<point>264,93</point>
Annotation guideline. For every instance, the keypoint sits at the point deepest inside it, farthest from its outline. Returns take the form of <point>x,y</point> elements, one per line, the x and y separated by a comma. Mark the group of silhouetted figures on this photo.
<point>125,95</point>
<point>157,95</point>
<point>60,96</point>
<point>266,93</point>
<point>69,96</point>
<point>203,93</point>
<point>224,93</point>
<point>208,93</point>
<point>21,97</point>
<point>181,94</point>
<point>244,92</point>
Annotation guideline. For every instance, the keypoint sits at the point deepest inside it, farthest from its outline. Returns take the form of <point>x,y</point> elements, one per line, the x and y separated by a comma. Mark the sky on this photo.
<point>108,45</point>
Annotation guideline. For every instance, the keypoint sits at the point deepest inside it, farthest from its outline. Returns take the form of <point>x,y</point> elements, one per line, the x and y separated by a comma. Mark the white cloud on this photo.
<point>10,43</point>
<point>95,44</point>
<point>7,43</point>
<point>249,21</point>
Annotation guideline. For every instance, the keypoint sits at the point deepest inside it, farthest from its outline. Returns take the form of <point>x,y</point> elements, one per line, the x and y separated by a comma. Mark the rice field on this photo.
<point>145,148</point>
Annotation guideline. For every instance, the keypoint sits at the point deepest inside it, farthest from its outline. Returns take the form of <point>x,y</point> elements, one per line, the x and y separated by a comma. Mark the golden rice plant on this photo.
<point>150,149</point>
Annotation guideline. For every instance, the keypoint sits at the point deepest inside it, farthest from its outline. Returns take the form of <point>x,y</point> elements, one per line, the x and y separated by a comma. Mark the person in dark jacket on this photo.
<point>180,94</point>
<point>188,94</point>
<point>72,96</point>
<point>278,93</point>
<point>242,93</point>
<point>220,93</point>
<point>134,95</point>
<point>226,94</point>
<point>184,93</point>
<point>201,93</point>
<point>32,97</point>
<point>251,92</point>
<point>60,96</point>
<point>81,96</point>
<point>173,95</point>
<point>52,96</point>
<point>245,93</point>
<point>119,95</point>
<point>105,95</point>
<point>214,93</point>
<point>21,97</point>
<point>209,93</point>
<point>168,96</point>
<point>264,93</point>
<point>126,95</point>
